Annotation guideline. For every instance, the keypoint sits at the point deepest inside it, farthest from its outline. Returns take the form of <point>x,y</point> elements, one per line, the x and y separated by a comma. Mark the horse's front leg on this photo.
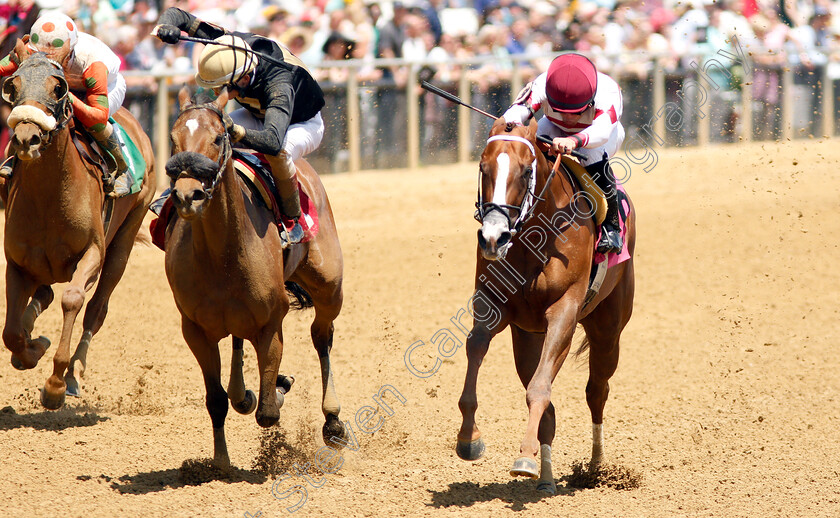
<point>470,445</point>
<point>20,318</point>
<point>562,318</point>
<point>87,271</point>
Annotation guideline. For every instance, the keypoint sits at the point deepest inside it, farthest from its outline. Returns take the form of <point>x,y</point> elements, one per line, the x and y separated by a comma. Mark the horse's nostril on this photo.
<point>198,195</point>
<point>481,241</point>
<point>504,239</point>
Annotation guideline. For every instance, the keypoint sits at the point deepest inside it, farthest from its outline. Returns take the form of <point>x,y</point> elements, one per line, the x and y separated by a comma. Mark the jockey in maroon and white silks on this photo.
<point>582,110</point>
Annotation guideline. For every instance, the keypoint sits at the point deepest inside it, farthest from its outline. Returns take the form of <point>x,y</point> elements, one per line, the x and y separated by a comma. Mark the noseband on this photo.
<point>189,164</point>
<point>526,208</point>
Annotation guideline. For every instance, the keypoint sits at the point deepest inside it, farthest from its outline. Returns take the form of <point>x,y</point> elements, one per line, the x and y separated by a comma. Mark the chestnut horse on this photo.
<point>535,252</point>
<point>55,229</point>
<point>228,271</point>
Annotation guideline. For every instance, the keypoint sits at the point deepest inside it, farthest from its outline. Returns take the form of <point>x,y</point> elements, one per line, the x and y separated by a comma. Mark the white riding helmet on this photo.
<point>220,65</point>
<point>52,32</point>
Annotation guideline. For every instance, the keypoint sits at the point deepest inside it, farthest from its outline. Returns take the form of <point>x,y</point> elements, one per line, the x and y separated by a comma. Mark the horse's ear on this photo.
<point>222,99</point>
<point>184,97</point>
<point>21,50</point>
<point>10,90</point>
<point>61,88</point>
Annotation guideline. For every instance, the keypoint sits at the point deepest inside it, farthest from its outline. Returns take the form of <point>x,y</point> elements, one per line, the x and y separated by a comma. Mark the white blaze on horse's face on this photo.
<point>502,172</point>
<point>495,236</point>
<point>191,125</point>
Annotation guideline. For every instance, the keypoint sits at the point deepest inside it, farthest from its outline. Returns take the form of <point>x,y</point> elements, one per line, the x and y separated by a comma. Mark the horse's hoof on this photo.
<point>247,405</point>
<point>472,450</point>
<point>280,397</point>
<point>72,386</point>
<point>547,487</point>
<point>17,364</point>
<point>332,429</point>
<point>52,402</point>
<point>285,383</point>
<point>524,467</point>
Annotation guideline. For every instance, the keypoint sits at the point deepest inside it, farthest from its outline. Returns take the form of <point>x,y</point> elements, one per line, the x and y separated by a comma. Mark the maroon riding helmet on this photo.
<point>571,83</point>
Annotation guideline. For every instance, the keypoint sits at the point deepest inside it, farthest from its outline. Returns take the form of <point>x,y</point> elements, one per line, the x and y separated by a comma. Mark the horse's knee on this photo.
<point>72,299</point>
<point>538,394</point>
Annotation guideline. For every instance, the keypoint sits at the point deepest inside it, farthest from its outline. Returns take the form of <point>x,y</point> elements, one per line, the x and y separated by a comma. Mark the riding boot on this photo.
<point>108,140</point>
<point>610,240</point>
<point>283,171</point>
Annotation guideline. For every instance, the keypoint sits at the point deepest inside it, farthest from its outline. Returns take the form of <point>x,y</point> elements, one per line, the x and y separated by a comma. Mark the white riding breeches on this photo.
<point>593,155</point>
<point>116,96</point>
<point>301,139</point>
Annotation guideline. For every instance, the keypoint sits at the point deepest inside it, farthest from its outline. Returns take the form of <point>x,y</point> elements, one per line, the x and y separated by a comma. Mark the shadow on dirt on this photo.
<point>67,417</point>
<point>516,493</point>
<point>193,472</point>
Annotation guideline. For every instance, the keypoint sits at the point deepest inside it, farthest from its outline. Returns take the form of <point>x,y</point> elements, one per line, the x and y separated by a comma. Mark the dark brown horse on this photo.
<point>55,230</point>
<point>532,275</point>
<point>228,271</point>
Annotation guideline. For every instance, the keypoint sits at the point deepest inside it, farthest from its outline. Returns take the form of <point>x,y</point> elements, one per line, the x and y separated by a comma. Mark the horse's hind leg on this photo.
<point>603,330</point>
<point>269,353</point>
<point>116,259</point>
<point>322,337</point>
<point>527,348</point>
<point>72,300</point>
<point>243,401</point>
<point>206,353</point>
<point>20,318</point>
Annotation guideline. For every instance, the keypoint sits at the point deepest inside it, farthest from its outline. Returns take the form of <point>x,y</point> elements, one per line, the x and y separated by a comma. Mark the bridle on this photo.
<point>529,202</point>
<point>61,108</point>
<point>178,165</point>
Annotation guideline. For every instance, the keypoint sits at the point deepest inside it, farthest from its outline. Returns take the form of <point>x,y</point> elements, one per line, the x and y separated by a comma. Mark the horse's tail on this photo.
<point>300,298</point>
<point>582,348</point>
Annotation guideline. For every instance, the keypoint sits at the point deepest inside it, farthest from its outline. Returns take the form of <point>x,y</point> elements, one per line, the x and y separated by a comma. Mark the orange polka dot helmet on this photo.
<point>52,32</point>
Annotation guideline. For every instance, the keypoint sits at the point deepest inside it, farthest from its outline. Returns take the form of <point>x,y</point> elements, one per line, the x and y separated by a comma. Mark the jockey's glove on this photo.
<point>517,114</point>
<point>237,133</point>
<point>167,33</point>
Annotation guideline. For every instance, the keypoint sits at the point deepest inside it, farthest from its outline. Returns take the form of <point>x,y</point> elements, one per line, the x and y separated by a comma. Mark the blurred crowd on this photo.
<point>621,36</point>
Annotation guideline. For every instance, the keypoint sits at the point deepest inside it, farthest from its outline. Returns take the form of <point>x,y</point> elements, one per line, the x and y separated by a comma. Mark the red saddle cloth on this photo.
<point>255,180</point>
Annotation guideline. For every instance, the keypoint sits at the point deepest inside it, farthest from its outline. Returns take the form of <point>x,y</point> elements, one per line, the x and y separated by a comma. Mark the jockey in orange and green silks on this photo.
<point>92,70</point>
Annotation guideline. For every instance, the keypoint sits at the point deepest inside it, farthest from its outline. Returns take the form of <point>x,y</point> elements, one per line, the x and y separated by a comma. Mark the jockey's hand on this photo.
<point>237,133</point>
<point>517,114</point>
<point>167,33</point>
<point>563,145</point>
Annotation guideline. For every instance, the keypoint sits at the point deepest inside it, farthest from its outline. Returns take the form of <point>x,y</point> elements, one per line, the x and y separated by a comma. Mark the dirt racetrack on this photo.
<point>725,399</point>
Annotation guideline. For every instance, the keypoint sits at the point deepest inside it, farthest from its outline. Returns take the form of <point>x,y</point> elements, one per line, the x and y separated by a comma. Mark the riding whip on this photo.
<point>449,97</point>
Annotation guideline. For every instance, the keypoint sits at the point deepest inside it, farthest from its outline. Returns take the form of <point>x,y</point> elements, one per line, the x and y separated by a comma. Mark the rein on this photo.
<point>180,163</point>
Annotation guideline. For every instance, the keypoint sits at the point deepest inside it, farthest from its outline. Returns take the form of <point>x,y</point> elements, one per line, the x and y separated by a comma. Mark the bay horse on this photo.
<point>535,253</point>
<point>55,230</point>
<point>229,272</point>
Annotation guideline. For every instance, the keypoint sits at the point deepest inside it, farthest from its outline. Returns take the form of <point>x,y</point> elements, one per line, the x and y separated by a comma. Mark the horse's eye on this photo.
<point>219,140</point>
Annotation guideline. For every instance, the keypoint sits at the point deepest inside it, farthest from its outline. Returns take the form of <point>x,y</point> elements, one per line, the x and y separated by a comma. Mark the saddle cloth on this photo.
<point>131,182</point>
<point>259,180</point>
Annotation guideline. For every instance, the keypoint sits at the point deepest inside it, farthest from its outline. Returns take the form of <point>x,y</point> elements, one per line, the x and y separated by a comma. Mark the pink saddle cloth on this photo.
<point>623,214</point>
